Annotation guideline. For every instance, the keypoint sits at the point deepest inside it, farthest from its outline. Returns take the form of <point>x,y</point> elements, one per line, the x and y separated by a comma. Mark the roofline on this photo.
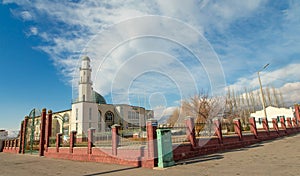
<point>61,111</point>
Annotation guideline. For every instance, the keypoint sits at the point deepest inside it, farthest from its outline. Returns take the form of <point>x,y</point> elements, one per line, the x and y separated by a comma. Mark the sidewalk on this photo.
<point>278,157</point>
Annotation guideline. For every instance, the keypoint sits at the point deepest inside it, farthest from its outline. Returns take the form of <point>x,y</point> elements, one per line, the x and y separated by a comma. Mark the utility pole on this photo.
<point>261,91</point>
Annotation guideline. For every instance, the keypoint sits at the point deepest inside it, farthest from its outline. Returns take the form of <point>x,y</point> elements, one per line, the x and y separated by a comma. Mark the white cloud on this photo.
<point>26,16</point>
<point>33,30</point>
<point>78,28</point>
<point>290,93</point>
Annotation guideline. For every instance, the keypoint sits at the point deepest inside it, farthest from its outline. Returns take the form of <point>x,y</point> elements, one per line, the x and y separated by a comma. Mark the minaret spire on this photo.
<point>85,83</point>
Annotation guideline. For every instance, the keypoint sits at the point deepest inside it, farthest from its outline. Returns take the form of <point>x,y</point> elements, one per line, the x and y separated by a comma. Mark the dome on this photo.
<point>98,98</point>
<point>86,58</point>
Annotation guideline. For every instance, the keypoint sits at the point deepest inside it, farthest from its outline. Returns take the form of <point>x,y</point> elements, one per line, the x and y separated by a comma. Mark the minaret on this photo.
<point>85,83</point>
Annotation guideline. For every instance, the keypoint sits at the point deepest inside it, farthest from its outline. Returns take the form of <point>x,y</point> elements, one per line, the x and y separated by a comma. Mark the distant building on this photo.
<point>272,112</point>
<point>3,134</point>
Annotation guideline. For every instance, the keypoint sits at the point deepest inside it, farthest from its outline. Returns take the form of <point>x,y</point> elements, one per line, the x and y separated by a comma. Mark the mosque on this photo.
<point>90,110</point>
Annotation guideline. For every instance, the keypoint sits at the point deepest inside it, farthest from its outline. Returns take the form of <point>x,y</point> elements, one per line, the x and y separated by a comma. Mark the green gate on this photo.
<point>33,132</point>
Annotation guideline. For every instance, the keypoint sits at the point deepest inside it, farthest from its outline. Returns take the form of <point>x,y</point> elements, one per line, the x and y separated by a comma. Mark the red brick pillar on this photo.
<point>218,130</point>
<point>190,130</point>
<point>283,126</point>
<point>152,140</point>
<point>253,128</point>
<point>42,133</point>
<point>297,113</point>
<point>238,128</point>
<point>48,129</point>
<point>24,135</point>
<point>91,132</point>
<point>275,125</point>
<point>266,125</point>
<point>115,138</point>
<point>289,122</point>
<point>72,140</point>
<point>20,137</point>
<point>58,140</point>
<point>294,122</point>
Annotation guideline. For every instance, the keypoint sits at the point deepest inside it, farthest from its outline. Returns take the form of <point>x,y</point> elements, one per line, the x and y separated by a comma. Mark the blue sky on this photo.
<point>153,61</point>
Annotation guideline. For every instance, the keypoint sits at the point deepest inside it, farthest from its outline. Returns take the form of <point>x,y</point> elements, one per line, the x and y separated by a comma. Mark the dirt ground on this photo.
<point>278,157</point>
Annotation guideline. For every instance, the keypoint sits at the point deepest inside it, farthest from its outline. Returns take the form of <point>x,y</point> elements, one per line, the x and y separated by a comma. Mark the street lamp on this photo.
<point>261,90</point>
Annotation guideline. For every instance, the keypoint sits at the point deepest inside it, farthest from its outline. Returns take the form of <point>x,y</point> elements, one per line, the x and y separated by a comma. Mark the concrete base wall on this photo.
<point>211,145</point>
<point>139,157</point>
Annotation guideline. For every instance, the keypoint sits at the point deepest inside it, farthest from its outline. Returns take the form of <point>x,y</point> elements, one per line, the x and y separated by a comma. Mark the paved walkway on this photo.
<point>278,157</point>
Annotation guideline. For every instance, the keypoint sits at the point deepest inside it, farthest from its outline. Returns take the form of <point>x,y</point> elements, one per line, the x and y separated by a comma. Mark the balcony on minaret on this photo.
<point>81,68</point>
<point>85,82</point>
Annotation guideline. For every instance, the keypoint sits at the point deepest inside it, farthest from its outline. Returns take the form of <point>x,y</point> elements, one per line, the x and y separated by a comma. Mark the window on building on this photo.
<point>99,121</point>
<point>66,118</point>
<point>76,113</point>
<point>76,126</point>
<point>90,113</point>
<point>90,124</point>
<point>109,116</point>
<point>259,120</point>
<point>132,115</point>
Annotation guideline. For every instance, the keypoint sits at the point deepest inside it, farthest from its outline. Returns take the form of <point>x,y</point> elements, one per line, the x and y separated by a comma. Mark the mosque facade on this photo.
<point>90,110</point>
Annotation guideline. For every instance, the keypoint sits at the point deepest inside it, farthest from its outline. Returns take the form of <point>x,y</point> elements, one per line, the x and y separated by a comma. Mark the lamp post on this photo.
<point>261,91</point>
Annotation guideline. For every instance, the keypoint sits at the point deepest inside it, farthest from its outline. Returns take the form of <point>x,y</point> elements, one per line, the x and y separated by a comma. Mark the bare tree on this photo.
<point>268,94</point>
<point>275,97</point>
<point>174,117</point>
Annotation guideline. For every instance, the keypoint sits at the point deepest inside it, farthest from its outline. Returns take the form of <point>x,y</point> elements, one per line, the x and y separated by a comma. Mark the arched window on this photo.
<point>66,118</point>
<point>99,121</point>
<point>99,116</point>
<point>109,116</point>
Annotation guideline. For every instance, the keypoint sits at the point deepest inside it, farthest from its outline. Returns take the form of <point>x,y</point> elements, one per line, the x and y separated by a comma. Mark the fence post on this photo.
<point>115,138</point>
<point>283,126</point>
<point>218,130</point>
<point>297,113</point>
<point>24,135</point>
<point>238,128</point>
<point>16,144</point>
<point>151,141</point>
<point>42,133</point>
<point>275,125</point>
<point>72,141</point>
<point>9,144</point>
<point>58,139</point>
<point>253,128</point>
<point>20,137</point>
<point>190,131</point>
<point>91,132</point>
<point>266,125</point>
<point>48,128</point>
<point>289,122</point>
<point>294,122</point>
